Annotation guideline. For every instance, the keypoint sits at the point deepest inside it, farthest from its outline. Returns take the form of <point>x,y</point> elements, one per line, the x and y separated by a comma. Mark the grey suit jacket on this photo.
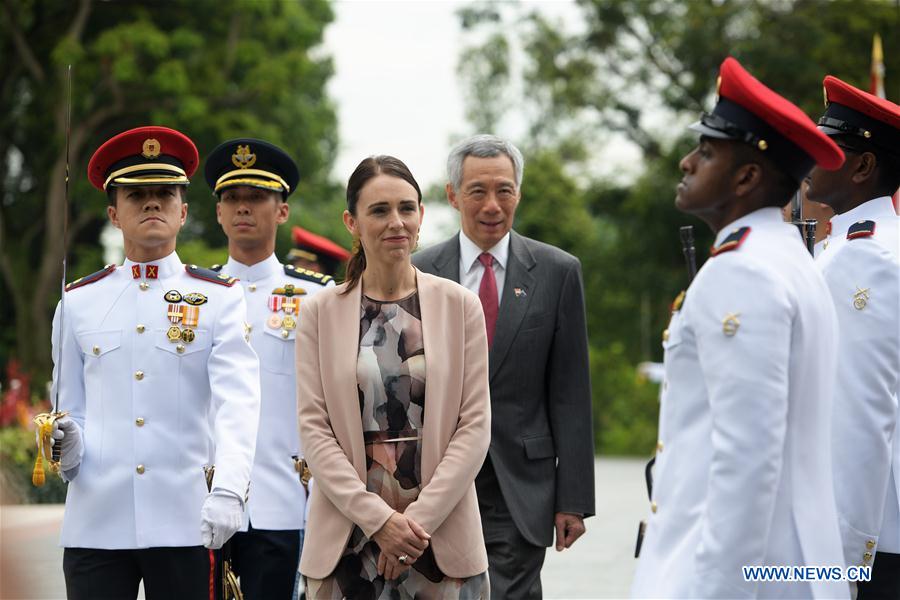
<point>541,435</point>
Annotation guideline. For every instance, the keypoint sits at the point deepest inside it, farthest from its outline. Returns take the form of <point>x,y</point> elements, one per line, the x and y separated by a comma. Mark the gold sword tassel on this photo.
<point>43,437</point>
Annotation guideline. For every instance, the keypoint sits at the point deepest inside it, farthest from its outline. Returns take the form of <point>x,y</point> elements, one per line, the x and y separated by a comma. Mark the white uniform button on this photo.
<point>96,350</point>
<point>179,348</point>
<point>659,446</point>
<point>252,287</point>
<point>285,333</point>
<point>138,375</point>
<point>140,328</point>
<point>140,469</point>
<point>653,507</point>
<point>144,286</point>
<point>139,421</point>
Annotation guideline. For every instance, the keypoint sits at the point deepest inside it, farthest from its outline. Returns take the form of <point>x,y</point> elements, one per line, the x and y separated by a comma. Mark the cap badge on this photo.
<point>243,158</point>
<point>718,85</point>
<point>151,148</point>
<point>825,94</point>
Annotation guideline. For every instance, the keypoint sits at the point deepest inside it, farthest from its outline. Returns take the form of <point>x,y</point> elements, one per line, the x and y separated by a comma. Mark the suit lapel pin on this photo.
<point>860,298</point>
<point>730,324</point>
<point>519,292</point>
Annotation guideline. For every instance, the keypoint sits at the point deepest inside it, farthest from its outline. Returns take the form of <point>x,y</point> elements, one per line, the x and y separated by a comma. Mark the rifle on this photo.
<point>807,227</point>
<point>44,421</point>
<point>686,233</point>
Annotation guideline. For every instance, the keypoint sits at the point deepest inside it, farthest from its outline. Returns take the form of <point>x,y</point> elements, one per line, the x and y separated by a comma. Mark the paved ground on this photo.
<point>600,565</point>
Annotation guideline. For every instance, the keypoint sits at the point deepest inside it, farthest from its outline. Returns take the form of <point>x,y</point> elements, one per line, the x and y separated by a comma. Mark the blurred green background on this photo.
<point>639,69</point>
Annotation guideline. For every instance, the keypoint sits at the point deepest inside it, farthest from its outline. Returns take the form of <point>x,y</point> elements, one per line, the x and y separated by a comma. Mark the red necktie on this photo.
<point>487,291</point>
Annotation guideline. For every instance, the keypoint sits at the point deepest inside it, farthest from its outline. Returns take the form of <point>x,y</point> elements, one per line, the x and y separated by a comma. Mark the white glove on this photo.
<point>67,434</point>
<point>221,516</point>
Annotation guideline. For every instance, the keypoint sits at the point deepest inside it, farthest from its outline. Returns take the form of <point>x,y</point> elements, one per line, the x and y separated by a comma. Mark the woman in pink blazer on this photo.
<point>394,409</point>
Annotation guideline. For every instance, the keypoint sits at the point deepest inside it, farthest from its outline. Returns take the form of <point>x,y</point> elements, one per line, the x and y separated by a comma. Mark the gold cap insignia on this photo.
<point>718,85</point>
<point>151,148</point>
<point>825,94</point>
<point>243,158</point>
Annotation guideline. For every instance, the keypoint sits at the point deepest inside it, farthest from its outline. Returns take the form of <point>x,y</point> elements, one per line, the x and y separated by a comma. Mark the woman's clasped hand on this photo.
<point>400,536</point>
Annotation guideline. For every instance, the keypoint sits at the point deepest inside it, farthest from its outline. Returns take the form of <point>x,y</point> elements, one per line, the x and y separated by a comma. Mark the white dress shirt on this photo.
<point>277,498</point>
<point>863,277</point>
<point>143,403</point>
<point>470,268</point>
<point>743,468</point>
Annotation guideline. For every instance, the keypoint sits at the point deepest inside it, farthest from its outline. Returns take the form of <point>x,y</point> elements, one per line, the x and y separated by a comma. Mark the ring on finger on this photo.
<point>402,559</point>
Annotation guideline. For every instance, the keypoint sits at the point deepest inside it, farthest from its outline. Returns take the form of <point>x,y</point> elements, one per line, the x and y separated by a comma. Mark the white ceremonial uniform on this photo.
<point>143,403</point>
<point>743,467</point>
<point>277,498</point>
<point>863,276</point>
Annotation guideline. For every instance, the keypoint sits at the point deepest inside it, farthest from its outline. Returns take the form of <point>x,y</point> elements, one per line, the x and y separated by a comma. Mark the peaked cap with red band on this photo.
<point>318,245</point>
<point>750,112</point>
<point>851,111</point>
<point>144,156</point>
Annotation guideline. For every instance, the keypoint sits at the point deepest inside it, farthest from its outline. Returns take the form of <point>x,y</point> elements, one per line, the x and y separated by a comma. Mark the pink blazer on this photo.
<point>456,432</point>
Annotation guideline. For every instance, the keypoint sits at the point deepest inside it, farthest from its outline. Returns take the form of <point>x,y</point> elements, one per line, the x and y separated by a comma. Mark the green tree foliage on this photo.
<point>644,69</point>
<point>211,69</point>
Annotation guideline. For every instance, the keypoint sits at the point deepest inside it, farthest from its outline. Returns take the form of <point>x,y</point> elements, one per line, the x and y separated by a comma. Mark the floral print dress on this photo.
<point>390,375</point>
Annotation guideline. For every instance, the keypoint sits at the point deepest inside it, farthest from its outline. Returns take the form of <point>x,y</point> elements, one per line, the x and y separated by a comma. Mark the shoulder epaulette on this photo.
<point>297,273</point>
<point>861,229</point>
<point>209,275</point>
<point>83,281</point>
<point>732,242</point>
<point>216,268</point>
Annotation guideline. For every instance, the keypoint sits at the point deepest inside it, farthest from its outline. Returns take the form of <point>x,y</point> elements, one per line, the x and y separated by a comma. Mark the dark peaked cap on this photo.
<point>251,162</point>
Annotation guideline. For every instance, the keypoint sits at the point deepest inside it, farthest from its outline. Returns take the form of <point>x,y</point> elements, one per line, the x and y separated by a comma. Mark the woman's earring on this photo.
<point>354,249</point>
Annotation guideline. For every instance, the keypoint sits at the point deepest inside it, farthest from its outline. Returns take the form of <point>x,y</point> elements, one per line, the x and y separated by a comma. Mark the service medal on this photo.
<point>190,315</point>
<point>275,303</point>
<point>274,322</point>
<point>289,322</point>
<point>175,313</point>
<point>187,335</point>
<point>291,306</point>
<point>174,333</point>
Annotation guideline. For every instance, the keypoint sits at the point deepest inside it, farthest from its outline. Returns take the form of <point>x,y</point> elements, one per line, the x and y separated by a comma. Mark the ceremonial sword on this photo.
<point>46,450</point>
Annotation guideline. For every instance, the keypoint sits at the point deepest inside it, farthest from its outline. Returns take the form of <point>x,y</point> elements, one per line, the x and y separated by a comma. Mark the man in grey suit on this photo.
<point>539,474</point>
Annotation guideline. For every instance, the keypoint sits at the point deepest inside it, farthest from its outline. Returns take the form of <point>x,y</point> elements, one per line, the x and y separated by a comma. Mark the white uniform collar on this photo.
<point>760,218</point>
<point>250,273</point>
<point>469,251</point>
<point>875,209</point>
<point>164,267</point>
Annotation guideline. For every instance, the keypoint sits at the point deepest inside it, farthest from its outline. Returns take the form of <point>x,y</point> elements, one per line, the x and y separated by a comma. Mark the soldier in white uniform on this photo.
<point>253,179</point>
<point>743,465</point>
<point>143,354</point>
<point>861,264</point>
